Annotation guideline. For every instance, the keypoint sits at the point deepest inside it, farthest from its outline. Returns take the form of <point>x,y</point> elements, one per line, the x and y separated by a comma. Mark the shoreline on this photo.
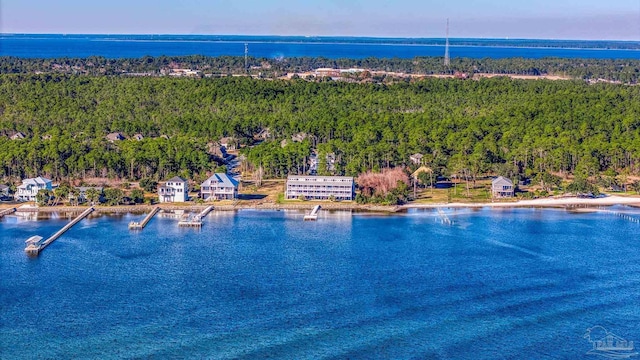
<point>391,209</point>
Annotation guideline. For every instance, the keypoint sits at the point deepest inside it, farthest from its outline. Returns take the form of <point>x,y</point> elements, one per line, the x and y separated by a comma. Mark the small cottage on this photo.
<point>18,136</point>
<point>115,136</point>
<point>227,144</point>
<point>502,187</point>
<point>416,158</point>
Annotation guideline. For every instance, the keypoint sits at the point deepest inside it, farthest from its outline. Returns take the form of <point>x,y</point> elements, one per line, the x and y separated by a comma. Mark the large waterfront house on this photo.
<point>219,186</point>
<point>175,189</point>
<point>502,187</point>
<point>30,187</point>
<point>320,187</point>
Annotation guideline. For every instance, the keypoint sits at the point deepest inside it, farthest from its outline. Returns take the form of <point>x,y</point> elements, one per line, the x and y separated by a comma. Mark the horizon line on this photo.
<point>318,36</point>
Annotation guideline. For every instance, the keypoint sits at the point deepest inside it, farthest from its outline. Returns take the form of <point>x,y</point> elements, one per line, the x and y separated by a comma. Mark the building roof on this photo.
<point>500,180</point>
<point>17,136</point>
<point>115,136</point>
<point>84,189</point>
<point>36,181</point>
<point>306,179</point>
<point>417,156</point>
<point>177,179</point>
<point>3,187</point>
<point>221,178</point>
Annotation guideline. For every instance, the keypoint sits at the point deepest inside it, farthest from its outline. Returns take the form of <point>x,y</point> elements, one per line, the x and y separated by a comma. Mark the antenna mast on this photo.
<point>246,54</point>
<point>447,60</point>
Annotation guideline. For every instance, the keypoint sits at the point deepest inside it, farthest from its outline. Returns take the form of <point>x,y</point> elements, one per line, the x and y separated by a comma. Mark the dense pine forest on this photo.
<point>465,127</point>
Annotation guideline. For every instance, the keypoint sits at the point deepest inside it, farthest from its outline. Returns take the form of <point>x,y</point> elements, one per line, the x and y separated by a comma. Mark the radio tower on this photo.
<point>246,54</point>
<point>447,60</point>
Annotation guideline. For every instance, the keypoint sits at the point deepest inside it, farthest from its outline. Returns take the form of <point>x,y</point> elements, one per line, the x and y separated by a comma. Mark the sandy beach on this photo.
<point>547,202</point>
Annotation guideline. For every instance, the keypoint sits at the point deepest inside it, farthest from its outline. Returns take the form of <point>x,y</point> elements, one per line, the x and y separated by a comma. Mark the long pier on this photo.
<point>313,215</point>
<point>35,245</point>
<point>134,225</point>
<point>7,212</point>
<point>195,220</point>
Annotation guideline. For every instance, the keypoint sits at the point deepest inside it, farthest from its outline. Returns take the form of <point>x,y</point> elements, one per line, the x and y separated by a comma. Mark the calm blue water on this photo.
<point>515,283</point>
<point>132,46</point>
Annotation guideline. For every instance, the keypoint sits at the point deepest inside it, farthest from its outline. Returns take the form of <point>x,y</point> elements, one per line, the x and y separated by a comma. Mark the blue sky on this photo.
<point>548,19</point>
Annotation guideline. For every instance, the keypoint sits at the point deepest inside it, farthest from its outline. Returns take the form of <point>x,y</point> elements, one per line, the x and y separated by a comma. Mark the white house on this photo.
<point>416,158</point>
<point>175,189</point>
<point>219,187</point>
<point>502,187</point>
<point>30,187</point>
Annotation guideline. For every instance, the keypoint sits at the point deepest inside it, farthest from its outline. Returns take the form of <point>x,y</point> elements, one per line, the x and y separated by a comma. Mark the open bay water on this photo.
<point>497,284</point>
<point>135,46</point>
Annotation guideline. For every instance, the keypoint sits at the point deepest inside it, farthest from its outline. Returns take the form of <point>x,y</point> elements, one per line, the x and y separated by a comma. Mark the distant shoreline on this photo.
<point>391,209</point>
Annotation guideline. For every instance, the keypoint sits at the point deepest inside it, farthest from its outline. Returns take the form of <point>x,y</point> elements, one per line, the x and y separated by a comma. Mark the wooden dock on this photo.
<point>195,220</point>
<point>7,212</point>
<point>134,225</point>
<point>313,215</point>
<point>35,243</point>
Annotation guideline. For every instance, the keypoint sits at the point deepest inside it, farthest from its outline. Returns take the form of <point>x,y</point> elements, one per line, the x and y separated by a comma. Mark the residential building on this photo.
<point>4,191</point>
<point>175,189</point>
<point>18,136</point>
<point>115,136</point>
<point>30,187</point>
<point>263,134</point>
<point>82,193</point>
<point>320,187</point>
<point>138,137</point>
<point>502,187</point>
<point>416,158</point>
<point>227,144</point>
<point>219,186</point>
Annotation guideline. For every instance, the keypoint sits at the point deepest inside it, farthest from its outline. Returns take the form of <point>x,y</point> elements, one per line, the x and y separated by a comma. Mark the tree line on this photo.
<point>620,70</point>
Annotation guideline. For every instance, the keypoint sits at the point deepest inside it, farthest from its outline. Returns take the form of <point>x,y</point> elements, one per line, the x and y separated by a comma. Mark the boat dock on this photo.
<point>195,220</point>
<point>313,215</point>
<point>134,225</point>
<point>7,212</point>
<point>35,243</point>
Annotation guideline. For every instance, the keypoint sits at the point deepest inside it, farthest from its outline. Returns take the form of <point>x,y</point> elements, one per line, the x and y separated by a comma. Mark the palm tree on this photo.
<point>74,196</point>
<point>92,195</point>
